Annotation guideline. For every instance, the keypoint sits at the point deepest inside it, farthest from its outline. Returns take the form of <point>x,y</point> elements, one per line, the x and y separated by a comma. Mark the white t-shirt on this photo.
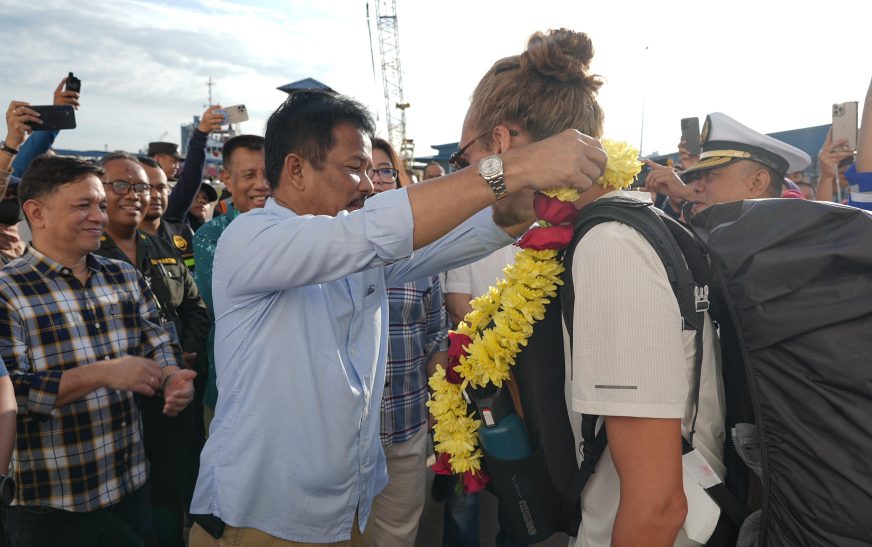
<point>631,358</point>
<point>475,279</point>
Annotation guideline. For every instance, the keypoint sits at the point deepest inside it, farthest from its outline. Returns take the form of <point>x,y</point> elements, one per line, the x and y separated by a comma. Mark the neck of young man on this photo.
<point>125,238</point>
<point>150,225</point>
<point>592,194</point>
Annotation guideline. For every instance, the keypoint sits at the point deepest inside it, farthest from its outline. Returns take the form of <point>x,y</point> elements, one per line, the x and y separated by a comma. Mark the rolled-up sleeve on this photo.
<point>472,240</point>
<point>35,392</point>
<point>274,249</point>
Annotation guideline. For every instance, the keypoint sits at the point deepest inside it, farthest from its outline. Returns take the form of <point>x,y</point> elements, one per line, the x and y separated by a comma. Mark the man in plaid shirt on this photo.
<point>418,330</point>
<point>81,338</point>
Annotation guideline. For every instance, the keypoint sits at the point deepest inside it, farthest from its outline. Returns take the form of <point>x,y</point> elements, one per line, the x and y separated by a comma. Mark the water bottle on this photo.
<point>502,432</point>
<point>507,439</point>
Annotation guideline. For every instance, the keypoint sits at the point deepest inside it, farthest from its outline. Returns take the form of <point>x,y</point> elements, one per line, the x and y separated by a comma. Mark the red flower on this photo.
<point>551,237</point>
<point>458,344</point>
<point>552,210</point>
<point>442,465</point>
<point>451,374</point>
<point>473,483</point>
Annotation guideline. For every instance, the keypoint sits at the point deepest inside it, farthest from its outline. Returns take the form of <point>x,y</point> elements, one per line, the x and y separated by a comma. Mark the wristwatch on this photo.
<point>491,169</point>
<point>8,149</point>
<point>7,489</point>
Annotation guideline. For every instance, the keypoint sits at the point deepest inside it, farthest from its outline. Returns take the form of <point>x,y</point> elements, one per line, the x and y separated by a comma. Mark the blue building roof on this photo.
<point>305,84</point>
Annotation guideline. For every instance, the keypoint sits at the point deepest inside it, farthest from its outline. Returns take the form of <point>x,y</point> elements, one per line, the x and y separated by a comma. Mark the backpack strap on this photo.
<point>692,300</point>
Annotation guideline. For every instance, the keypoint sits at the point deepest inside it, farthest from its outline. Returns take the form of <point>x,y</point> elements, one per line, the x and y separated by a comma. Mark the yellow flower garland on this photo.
<point>513,306</point>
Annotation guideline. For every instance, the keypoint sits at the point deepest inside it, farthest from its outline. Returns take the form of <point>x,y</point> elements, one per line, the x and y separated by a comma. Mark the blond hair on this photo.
<point>545,90</point>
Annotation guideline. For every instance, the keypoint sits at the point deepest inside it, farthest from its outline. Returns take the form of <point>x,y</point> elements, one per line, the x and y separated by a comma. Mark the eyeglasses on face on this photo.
<point>457,160</point>
<point>386,175</point>
<point>122,187</point>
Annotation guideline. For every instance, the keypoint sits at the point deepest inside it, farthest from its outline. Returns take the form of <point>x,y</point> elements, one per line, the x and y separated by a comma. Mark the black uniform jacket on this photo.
<point>173,285</point>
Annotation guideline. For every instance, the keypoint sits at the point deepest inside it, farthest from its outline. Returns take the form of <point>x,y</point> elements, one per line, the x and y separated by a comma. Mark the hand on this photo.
<point>568,159</point>
<point>664,180</point>
<point>17,116</point>
<point>211,121</point>
<point>136,374</point>
<point>830,155</point>
<point>66,97</point>
<point>190,358</point>
<point>179,391</point>
<point>687,159</point>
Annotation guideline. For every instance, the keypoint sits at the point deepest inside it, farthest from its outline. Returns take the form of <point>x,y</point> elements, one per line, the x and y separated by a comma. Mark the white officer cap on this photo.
<point>725,141</point>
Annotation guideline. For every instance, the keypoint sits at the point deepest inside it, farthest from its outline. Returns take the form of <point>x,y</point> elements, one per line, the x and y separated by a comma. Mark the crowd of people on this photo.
<point>255,367</point>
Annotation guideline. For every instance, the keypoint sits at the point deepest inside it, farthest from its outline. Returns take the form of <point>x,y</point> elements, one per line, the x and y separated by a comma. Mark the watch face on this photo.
<point>490,166</point>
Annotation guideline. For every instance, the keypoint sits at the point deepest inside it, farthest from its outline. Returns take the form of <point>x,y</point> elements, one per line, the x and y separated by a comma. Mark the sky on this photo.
<point>772,64</point>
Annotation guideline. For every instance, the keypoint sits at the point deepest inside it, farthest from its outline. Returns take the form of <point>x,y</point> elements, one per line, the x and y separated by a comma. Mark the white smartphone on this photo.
<point>234,114</point>
<point>845,123</point>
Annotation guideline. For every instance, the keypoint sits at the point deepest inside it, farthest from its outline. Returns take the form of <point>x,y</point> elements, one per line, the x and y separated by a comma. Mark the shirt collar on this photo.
<point>52,268</point>
<point>274,206</point>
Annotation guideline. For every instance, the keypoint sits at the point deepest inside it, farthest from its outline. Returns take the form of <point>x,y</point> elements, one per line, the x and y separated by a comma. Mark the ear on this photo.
<point>35,213</point>
<point>759,184</point>
<point>505,137</point>
<point>293,171</point>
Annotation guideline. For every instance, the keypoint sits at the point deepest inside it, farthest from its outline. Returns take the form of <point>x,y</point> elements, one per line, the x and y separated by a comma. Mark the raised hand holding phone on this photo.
<point>212,119</point>
<point>65,94</point>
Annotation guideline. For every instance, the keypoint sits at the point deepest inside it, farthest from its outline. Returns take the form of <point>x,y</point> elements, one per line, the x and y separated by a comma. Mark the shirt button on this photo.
<point>126,456</point>
<point>97,326</point>
<point>124,424</point>
<point>106,358</point>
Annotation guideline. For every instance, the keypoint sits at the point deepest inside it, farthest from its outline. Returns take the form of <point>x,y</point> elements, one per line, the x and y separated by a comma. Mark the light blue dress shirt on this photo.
<point>301,343</point>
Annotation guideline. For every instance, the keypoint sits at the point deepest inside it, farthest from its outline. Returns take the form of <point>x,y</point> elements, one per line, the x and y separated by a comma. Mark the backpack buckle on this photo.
<point>701,298</point>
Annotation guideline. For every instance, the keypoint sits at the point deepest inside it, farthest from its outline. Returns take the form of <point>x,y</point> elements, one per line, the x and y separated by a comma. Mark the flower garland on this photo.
<point>481,354</point>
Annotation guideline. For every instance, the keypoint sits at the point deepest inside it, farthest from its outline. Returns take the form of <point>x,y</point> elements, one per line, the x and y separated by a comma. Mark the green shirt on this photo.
<point>205,242</point>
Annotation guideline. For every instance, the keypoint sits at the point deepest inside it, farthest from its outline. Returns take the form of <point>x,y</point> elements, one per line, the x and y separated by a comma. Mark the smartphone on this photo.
<point>54,117</point>
<point>690,135</point>
<point>73,83</point>
<point>234,114</point>
<point>845,123</point>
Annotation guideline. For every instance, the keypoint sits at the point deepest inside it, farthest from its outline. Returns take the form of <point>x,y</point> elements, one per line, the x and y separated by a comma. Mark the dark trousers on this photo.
<point>169,447</point>
<point>125,523</point>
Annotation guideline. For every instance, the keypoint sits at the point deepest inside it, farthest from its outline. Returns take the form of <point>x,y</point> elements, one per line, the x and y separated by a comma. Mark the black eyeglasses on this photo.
<point>122,187</point>
<point>457,160</point>
<point>386,175</point>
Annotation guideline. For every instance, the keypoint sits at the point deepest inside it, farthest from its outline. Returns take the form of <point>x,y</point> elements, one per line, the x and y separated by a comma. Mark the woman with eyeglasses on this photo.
<point>387,171</point>
<point>418,340</point>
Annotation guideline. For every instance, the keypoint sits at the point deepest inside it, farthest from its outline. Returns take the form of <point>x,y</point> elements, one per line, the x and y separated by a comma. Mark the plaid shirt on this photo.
<point>418,329</point>
<point>86,454</point>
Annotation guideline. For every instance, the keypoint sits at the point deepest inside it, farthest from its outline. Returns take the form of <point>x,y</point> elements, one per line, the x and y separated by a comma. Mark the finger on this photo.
<point>61,85</point>
<point>27,119</point>
<point>829,135</point>
<point>656,166</point>
<point>185,374</point>
<point>23,110</point>
<point>171,410</point>
<point>144,389</point>
<point>17,104</point>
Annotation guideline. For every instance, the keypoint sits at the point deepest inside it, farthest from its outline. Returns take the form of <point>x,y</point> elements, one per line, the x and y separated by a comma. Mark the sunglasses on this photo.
<point>457,160</point>
<point>386,175</point>
<point>122,187</point>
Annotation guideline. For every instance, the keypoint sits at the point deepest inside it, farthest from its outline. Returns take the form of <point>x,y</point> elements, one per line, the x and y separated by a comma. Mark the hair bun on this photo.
<point>561,54</point>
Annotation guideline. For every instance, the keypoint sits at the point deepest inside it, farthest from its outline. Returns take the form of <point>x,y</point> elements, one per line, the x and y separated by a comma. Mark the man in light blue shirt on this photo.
<point>299,292</point>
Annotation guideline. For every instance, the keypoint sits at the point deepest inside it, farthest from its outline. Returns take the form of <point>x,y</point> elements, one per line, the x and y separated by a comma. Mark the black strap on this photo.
<point>688,270</point>
<point>721,495</point>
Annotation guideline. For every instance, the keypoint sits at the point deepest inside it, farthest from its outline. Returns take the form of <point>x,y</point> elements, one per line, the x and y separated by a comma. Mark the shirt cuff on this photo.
<point>389,224</point>
<point>42,392</point>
